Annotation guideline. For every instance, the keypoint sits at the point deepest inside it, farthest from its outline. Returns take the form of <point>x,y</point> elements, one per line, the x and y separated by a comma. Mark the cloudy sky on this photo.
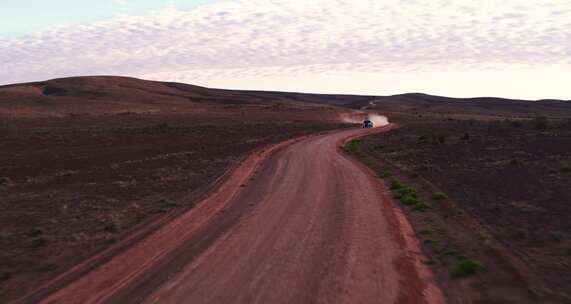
<point>507,48</point>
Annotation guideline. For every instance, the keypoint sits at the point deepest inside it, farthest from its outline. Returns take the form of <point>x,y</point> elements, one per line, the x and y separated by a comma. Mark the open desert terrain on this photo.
<point>493,191</point>
<point>87,161</point>
<point>120,190</point>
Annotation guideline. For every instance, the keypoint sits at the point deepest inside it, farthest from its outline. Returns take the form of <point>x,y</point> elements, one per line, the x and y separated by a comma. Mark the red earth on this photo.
<point>96,172</point>
<point>102,159</point>
<point>296,223</point>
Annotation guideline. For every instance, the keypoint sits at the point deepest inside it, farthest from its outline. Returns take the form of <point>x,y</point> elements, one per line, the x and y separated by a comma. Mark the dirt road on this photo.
<point>310,226</point>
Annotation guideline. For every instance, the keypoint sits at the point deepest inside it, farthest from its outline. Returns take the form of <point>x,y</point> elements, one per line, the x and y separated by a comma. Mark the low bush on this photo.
<point>395,184</point>
<point>409,200</point>
<point>439,196</point>
<point>467,267</point>
<point>422,207</point>
<point>5,182</point>
<point>407,191</point>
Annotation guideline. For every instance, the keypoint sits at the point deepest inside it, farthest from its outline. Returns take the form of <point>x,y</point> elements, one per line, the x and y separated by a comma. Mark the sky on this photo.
<point>504,48</point>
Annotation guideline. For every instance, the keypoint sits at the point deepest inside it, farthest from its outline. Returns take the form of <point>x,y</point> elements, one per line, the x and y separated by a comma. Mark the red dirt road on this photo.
<point>310,226</point>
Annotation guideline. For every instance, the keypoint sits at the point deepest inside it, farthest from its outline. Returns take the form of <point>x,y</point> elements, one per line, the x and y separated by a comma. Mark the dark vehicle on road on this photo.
<point>367,124</point>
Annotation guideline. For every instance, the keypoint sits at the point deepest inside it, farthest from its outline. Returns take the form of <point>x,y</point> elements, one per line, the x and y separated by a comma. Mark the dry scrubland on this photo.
<point>490,201</point>
<point>87,161</point>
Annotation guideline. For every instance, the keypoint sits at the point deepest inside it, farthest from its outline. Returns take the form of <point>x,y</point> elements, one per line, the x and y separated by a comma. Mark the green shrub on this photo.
<point>467,267</point>
<point>422,207</point>
<point>409,200</point>
<point>439,196</point>
<point>406,191</point>
<point>395,184</point>
<point>352,146</point>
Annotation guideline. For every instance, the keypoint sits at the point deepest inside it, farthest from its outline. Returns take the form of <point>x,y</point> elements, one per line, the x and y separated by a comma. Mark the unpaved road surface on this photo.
<point>310,226</point>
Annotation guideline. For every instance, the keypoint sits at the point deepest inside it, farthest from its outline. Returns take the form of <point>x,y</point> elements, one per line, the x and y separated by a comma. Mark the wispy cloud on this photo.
<point>276,38</point>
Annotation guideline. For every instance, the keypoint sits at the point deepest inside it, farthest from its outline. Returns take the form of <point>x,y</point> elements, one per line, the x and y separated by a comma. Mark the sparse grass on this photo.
<point>421,207</point>
<point>352,146</point>
<point>437,196</point>
<point>466,268</point>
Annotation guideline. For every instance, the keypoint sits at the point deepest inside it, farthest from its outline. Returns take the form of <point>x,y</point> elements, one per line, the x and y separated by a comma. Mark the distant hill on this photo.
<point>100,94</point>
<point>490,106</point>
<point>104,94</point>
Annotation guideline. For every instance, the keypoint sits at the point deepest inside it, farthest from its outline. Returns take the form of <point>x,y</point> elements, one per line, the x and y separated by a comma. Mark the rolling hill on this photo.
<point>104,94</point>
